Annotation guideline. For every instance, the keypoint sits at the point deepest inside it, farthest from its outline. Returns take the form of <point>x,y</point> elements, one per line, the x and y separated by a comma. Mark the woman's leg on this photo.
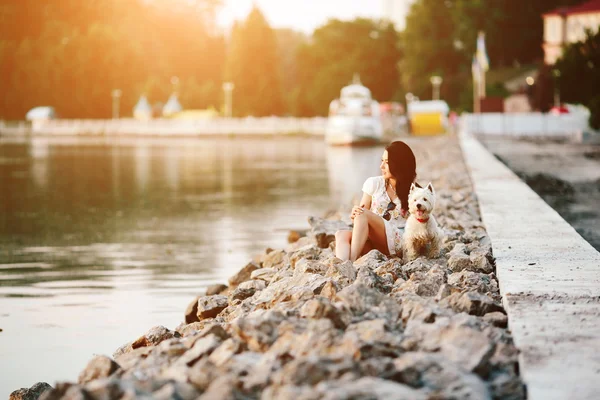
<point>368,225</point>
<point>342,244</point>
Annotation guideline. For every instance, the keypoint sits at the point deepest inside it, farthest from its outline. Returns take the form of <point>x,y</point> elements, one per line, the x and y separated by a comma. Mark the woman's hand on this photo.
<point>356,210</point>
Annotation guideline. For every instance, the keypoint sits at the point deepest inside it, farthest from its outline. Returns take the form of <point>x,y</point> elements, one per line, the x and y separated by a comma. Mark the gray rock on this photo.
<point>217,288</point>
<point>98,367</point>
<point>424,284</point>
<point>306,253</point>
<point>243,275</point>
<point>275,259</point>
<point>472,303</point>
<point>323,230</point>
<point>459,262</point>
<point>342,273</point>
<point>372,260</point>
<point>437,374</point>
<point>496,318</point>
<point>151,338</point>
<point>369,388</point>
<point>211,306</point>
<point>309,266</point>
<point>367,277</point>
<point>191,311</point>
<point>418,265</point>
<point>33,393</point>
<point>241,293</point>
<point>322,308</point>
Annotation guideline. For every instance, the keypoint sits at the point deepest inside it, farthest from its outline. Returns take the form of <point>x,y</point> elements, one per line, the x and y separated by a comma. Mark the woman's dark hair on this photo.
<point>403,165</point>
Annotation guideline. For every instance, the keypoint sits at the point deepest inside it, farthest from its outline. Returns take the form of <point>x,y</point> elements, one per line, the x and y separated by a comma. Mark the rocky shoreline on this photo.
<point>298,323</point>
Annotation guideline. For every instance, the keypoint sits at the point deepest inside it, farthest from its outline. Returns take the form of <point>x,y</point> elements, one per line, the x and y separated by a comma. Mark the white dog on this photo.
<point>422,236</point>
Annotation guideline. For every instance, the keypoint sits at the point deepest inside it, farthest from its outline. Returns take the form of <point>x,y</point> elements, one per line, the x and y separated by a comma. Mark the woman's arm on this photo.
<point>364,205</point>
<point>365,202</point>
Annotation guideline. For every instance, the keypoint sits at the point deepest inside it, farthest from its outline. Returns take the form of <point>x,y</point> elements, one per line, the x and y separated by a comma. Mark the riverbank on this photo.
<point>299,323</point>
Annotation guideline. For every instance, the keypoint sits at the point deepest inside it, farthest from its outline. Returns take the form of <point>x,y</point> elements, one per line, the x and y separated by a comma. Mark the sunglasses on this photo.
<point>390,207</point>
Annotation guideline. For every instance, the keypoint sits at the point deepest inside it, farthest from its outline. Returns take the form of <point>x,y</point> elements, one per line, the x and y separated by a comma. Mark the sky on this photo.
<point>303,15</point>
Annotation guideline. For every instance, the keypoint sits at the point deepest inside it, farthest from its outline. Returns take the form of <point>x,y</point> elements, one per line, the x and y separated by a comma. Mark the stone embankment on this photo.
<point>301,324</point>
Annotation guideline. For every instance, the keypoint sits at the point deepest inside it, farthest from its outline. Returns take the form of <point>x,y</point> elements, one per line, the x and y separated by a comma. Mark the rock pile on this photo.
<point>301,324</point>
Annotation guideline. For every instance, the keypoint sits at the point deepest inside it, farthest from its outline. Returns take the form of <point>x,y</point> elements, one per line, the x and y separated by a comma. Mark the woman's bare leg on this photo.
<point>367,225</point>
<point>342,244</point>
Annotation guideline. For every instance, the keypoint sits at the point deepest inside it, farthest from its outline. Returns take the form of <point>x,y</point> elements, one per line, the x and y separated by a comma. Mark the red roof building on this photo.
<point>568,25</point>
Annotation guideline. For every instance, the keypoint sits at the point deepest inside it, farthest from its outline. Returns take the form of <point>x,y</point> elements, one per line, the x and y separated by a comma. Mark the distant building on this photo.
<point>568,25</point>
<point>396,11</point>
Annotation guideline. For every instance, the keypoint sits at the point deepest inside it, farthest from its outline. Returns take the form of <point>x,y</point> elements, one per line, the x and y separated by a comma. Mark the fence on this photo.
<point>218,126</point>
<point>563,126</point>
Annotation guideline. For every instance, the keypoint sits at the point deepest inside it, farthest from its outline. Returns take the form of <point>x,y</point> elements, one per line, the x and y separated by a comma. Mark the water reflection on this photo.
<point>100,239</point>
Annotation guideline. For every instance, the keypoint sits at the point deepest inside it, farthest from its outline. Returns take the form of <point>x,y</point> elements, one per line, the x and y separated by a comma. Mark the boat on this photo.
<point>354,118</point>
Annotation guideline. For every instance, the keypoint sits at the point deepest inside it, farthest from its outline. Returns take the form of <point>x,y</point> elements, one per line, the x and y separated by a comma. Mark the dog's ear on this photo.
<point>412,187</point>
<point>430,188</point>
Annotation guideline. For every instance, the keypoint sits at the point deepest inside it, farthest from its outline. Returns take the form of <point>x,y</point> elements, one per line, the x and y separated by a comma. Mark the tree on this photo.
<point>71,54</point>
<point>337,51</point>
<point>579,78</point>
<point>253,66</point>
<point>429,48</point>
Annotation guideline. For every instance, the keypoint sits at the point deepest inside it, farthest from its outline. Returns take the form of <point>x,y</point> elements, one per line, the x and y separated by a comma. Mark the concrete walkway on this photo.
<point>549,280</point>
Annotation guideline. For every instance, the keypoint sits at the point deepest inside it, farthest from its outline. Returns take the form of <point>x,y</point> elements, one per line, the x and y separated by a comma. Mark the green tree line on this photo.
<point>71,54</point>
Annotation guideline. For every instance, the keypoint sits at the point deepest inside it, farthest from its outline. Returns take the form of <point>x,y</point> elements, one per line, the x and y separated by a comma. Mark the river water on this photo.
<point>101,239</point>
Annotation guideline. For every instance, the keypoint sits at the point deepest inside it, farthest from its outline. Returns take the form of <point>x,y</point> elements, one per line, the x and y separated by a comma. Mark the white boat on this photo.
<point>354,118</point>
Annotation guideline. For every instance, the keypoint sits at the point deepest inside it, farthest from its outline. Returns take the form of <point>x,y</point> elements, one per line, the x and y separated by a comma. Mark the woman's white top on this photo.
<point>394,228</point>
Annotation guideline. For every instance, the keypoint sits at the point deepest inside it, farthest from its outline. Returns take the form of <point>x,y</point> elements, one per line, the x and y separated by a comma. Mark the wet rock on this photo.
<point>243,275</point>
<point>323,230</point>
<point>217,288</point>
<point>211,306</point>
<point>98,367</point>
<point>33,393</point>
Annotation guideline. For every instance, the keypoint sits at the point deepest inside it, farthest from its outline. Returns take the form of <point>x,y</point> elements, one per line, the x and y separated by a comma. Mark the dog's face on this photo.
<point>421,201</point>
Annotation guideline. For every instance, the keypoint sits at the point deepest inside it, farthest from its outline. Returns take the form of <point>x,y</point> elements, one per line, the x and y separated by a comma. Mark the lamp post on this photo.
<point>228,91</point>
<point>436,82</point>
<point>556,74</point>
<point>116,95</point>
<point>175,83</point>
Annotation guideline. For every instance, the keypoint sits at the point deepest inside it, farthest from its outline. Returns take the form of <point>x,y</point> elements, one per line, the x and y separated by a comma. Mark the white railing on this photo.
<point>564,126</point>
<point>218,126</point>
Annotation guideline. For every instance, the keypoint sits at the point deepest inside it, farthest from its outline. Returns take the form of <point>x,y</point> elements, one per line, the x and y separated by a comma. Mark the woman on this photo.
<point>380,217</point>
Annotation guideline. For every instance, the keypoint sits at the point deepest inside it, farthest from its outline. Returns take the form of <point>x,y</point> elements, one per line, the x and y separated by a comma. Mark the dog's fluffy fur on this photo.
<point>422,237</point>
